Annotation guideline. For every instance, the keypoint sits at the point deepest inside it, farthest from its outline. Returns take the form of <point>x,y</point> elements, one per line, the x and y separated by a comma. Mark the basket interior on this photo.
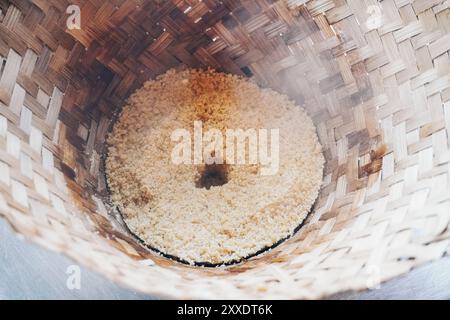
<point>378,94</point>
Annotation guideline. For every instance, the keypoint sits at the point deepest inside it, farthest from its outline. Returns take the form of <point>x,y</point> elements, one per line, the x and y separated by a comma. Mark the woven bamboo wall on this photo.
<point>379,97</point>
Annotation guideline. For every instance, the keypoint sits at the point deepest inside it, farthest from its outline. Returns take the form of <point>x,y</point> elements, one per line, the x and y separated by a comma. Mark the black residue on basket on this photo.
<point>209,264</point>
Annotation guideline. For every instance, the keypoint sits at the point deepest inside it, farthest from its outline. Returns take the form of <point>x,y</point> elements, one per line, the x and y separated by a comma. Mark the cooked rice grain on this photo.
<point>163,204</point>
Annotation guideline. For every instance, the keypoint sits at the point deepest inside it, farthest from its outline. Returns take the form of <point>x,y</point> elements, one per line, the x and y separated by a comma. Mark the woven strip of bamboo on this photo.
<point>375,77</point>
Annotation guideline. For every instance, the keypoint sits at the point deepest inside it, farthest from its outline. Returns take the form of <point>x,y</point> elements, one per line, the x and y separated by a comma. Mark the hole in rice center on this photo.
<point>213,175</point>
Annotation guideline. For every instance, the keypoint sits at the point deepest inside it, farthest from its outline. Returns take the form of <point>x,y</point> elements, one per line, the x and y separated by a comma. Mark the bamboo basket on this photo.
<point>379,94</point>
